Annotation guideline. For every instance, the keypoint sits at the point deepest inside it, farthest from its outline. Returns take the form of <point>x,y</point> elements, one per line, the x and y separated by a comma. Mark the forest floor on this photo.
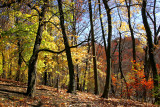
<point>12,94</point>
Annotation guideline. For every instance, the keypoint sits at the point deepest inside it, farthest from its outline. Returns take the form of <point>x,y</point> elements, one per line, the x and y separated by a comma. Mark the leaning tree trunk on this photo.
<point>71,88</point>
<point>96,91</point>
<point>120,57</point>
<point>133,42</point>
<point>33,60</point>
<point>108,76</point>
<point>151,53</point>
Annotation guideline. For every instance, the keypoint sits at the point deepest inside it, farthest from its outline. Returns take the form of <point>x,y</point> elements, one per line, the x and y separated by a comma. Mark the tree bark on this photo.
<point>19,61</point>
<point>131,30</point>
<point>155,24</point>
<point>19,56</point>
<point>151,53</point>
<point>120,57</point>
<point>133,42</point>
<point>3,66</point>
<point>147,69</point>
<point>108,76</point>
<point>33,60</point>
<point>71,88</point>
<point>86,68</point>
<point>96,90</point>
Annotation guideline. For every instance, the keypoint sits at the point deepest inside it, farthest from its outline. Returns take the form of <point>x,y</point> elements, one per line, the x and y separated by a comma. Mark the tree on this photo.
<point>71,88</point>
<point>19,55</point>
<point>120,54</point>
<point>131,29</point>
<point>96,91</point>
<point>33,60</point>
<point>151,53</point>
<point>108,76</point>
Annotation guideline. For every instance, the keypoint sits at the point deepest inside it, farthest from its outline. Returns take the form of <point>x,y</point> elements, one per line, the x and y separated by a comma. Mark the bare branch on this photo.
<point>52,24</point>
<point>58,52</point>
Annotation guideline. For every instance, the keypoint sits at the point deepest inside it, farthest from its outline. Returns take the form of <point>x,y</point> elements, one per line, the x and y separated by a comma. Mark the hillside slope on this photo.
<point>12,93</point>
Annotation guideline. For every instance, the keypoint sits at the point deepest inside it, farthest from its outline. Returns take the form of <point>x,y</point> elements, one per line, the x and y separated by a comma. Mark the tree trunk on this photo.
<point>19,56</point>
<point>151,53</point>
<point>131,30</point>
<point>155,24</point>
<point>108,76</point>
<point>86,68</point>
<point>96,91</point>
<point>45,78</point>
<point>10,70</point>
<point>147,70</point>
<point>33,60</point>
<point>19,61</point>
<point>71,88</point>
<point>120,58</point>
<point>3,66</point>
<point>78,88</point>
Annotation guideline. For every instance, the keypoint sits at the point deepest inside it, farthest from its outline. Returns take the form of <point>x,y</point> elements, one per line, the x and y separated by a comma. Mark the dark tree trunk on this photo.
<point>19,61</point>
<point>96,91</point>
<point>45,78</point>
<point>103,34</point>
<point>120,66</point>
<point>71,88</point>
<point>104,41</point>
<point>108,76</point>
<point>112,88</point>
<point>147,69</point>
<point>133,42</point>
<point>45,75</point>
<point>131,30</point>
<point>78,88</point>
<point>57,84</point>
<point>33,60</point>
<point>3,66</point>
<point>19,56</point>
<point>120,57</point>
<point>151,53</point>
<point>86,68</point>
<point>10,70</point>
<point>155,24</point>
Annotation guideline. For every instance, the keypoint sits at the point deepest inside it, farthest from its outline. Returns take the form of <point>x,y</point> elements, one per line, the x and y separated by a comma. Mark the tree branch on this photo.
<point>9,4</point>
<point>58,52</point>
<point>52,24</point>
<point>29,5</point>
<point>158,30</point>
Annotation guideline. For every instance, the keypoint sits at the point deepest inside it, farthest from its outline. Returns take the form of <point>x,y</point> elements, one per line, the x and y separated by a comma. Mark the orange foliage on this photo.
<point>114,80</point>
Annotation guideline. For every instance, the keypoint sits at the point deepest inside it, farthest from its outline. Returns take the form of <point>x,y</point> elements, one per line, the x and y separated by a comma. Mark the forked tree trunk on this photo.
<point>33,60</point>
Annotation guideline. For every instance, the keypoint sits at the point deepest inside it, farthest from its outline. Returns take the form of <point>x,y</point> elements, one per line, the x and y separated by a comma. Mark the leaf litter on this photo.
<point>12,93</point>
